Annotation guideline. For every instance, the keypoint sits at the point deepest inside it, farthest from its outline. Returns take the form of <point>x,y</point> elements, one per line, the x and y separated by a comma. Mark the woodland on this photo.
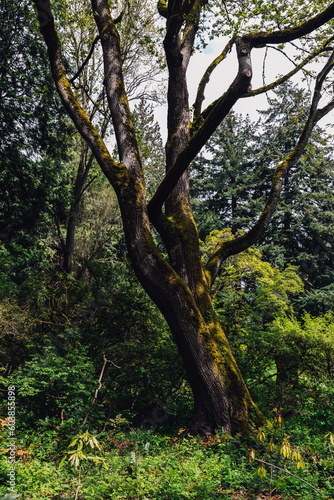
<point>166,304</point>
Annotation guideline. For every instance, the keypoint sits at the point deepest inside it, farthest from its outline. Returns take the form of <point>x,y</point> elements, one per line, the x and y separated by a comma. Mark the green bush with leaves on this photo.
<point>51,384</point>
<point>307,345</point>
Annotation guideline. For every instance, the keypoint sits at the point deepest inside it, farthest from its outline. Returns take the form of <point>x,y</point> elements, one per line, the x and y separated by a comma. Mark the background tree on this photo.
<point>180,286</point>
<point>46,319</point>
<point>142,65</point>
<point>150,145</point>
<point>34,140</point>
<point>225,176</point>
<point>300,233</point>
<point>281,356</point>
<point>302,225</point>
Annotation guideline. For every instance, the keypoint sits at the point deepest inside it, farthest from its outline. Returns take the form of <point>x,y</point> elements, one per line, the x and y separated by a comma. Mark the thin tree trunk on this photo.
<point>70,239</point>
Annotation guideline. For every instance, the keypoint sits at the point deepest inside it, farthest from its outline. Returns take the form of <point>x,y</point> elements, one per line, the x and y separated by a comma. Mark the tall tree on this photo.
<point>33,130</point>
<point>180,286</point>
<point>302,231</point>
<point>150,145</point>
<point>225,175</point>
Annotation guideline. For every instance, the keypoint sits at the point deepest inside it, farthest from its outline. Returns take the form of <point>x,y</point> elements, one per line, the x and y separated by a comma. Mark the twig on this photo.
<point>120,17</point>
<point>79,481</point>
<point>105,361</point>
<point>78,73</point>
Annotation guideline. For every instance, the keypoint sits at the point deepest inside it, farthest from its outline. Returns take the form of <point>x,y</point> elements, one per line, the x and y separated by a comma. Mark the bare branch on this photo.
<point>78,73</point>
<point>206,77</point>
<point>230,247</point>
<point>290,473</point>
<point>105,361</point>
<point>190,30</point>
<point>120,17</point>
<point>324,47</point>
<point>282,52</point>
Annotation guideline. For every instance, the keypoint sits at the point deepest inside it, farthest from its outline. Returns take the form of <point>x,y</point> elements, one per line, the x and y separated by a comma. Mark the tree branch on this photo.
<point>70,102</point>
<point>200,137</point>
<point>190,31</point>
<point>105,361</point>
<point>114,82</point>
<point>287,35</point>
<point>120,17</point>
<point>230,247</point>
<point>78,73</point>
<point>284,78</point>
<point>162,8</point>
<point>206,77</point>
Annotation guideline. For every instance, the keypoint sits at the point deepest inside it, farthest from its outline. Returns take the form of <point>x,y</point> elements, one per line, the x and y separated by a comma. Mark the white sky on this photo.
<point>276,64</point>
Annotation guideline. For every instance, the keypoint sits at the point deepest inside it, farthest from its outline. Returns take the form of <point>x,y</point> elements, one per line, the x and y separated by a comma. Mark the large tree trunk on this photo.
<point>221,399</point>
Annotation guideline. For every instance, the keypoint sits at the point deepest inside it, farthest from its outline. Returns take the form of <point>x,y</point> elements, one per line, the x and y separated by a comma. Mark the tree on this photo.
<point>34,130</point>
<point>150,145</point>
<point>225,175</point>
<point>302,232</point>
<point>180,285</point>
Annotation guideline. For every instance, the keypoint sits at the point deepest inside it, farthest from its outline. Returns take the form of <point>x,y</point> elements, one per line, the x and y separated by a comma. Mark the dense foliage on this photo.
<point>35,137</point>
<point>231,180</point>
<point>103,401</point>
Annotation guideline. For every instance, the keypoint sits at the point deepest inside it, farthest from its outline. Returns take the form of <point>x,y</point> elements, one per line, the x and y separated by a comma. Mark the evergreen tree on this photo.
<point>225,175</point>
<point>150,144</point>
<point>301,231</point>
<point>33,144</point>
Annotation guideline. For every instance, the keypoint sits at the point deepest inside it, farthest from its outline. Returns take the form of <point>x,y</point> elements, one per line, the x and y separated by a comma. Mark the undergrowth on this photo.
<point>133,464</point>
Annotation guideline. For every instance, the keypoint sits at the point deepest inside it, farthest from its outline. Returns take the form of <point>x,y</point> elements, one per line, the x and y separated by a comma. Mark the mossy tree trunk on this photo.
<point>180,285</point>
